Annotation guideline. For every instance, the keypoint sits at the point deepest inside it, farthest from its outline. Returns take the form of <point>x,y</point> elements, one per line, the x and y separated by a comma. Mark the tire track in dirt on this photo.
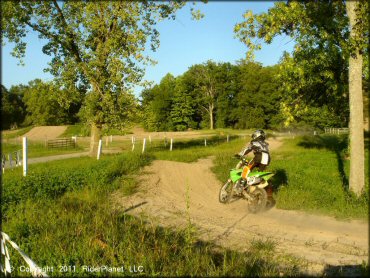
<point>171,192</point>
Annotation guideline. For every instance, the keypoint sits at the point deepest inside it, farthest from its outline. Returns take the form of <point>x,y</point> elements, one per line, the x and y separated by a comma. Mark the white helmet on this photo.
<point>259,134</point>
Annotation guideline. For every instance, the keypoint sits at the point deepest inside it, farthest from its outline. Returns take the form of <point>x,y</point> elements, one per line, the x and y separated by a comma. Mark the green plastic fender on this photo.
<point>264,175</point>
<point>236,174</point>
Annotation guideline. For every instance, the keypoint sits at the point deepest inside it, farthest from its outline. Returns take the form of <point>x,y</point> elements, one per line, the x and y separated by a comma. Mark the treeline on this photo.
<point>207,96</point>
<point>38,103</point>
<point>218,95</point>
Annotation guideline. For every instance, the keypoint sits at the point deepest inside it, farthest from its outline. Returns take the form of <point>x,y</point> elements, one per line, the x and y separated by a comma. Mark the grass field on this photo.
<point>39,149</point>
<point>311,173</point>
<point>62,215</point>
<point>16,133</point>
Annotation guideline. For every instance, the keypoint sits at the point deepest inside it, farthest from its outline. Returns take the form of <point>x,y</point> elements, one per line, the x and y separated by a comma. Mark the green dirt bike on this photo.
<point>253,189</point>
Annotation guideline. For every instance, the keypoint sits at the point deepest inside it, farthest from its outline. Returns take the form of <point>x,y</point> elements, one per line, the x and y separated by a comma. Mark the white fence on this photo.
<point>16,158</point>
<point>12,159</point>
<point>6,269</point>
<point>335,130</point>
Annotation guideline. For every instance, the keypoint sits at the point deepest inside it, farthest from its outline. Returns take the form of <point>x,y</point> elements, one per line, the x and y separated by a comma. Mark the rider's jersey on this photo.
<point>260,150</point>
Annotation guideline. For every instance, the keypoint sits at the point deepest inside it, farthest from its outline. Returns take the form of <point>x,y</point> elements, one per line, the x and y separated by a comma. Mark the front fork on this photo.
<point>244,191</point>
<point>246,195</point>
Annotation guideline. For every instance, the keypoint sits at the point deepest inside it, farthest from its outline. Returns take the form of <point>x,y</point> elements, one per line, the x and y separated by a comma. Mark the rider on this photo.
<point>260,150</point>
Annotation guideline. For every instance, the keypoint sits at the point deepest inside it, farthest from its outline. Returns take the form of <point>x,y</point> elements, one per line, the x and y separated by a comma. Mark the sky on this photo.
<point>183,43</point>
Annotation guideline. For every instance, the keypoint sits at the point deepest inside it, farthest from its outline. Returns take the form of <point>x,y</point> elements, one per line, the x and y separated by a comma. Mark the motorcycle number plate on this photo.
<point>265,158</point>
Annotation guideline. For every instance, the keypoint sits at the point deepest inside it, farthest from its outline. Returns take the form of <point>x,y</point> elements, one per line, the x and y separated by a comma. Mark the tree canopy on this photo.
<point>244,95</point>
<point>99,46</point>
<point>326,68</point>
<point>316,74</point>
<point>12,107</point>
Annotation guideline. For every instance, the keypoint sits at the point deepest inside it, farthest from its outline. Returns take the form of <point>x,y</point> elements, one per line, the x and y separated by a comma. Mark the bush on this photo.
<point>53,181</point>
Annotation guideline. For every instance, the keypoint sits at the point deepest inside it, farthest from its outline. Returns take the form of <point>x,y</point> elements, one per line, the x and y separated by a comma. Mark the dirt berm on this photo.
<point>41,133</point>
<point>170,192</point>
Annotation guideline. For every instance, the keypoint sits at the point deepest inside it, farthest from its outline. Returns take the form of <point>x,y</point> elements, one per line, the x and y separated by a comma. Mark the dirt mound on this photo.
<point>171,193</point>
<point>41,133</point>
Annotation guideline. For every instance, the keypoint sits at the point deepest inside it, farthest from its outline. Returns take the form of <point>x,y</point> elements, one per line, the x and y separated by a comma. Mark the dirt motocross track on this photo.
<point>41,133</point>
<point>172,191</point>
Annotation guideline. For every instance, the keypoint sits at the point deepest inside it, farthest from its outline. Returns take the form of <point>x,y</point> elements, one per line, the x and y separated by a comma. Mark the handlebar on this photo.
<point>242,158</point>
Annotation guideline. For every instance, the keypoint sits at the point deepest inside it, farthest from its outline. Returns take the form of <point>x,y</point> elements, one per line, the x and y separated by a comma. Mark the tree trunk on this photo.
<point>211,116</point>
<point>96,131</point>
<point>356,122</point>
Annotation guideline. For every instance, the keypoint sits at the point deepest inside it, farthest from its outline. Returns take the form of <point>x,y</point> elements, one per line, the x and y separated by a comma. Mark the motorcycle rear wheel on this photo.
<point>225,194</point>
<point>259,201</point>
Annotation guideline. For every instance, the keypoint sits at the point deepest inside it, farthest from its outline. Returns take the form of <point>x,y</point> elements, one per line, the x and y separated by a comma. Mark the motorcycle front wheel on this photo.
<point>226,192</point>
<point>258,203</point>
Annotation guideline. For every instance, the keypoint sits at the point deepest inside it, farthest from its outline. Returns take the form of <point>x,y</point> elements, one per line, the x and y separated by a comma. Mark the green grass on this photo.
<point>311,172</point>
<point>39,149</point>
<point>15,134</point>
<point>62,214</point>
<point>192,150</point>
<point>313,175</point>
<point>76,130</point>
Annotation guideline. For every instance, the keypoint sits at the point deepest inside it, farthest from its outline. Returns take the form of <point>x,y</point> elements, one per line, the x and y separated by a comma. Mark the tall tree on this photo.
<point>47,104</point>
<point>12,107</point>
<point>356,124</point>
<point>157,103</point>
<point>257,99</point>
<point>226,85</point>
<point>321,26</point>
<point>182,108</point>
<point>206,87</point>
<point>99,45</point>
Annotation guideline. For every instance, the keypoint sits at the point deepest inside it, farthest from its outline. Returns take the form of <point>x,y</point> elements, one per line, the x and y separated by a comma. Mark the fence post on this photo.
<point>99,149</point>
<point>205,142</point>
<point>16,158</point>
<point>10,158</point>
<point>144,143</point>
<point>19,157</point>
<point>25,154</point>
<point>3,163</point>
<point>133,143</point>
<point>227,138</point>
<point>171,144</point>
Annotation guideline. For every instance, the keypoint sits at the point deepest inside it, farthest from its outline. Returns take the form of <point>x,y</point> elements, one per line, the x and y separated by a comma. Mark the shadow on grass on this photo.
<point>332,143</point>
<point>346,271</point>
<point>180,145</point>
<point>211,141</point>
<point>280,178</point>
<point>134,207</point>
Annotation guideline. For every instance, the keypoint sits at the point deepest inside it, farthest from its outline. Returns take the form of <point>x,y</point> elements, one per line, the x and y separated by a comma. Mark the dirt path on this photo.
<point>318,239</point>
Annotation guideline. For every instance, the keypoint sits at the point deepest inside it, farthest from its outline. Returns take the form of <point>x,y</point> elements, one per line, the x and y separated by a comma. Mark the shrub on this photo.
<point>50,181</point>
